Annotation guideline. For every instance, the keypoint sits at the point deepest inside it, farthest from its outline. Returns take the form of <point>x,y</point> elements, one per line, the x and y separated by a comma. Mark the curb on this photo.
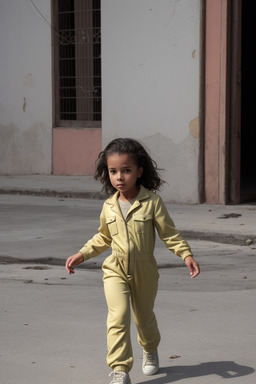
<point>223,238</point>
<point>219,237</point>
<point>61,262</point>
<point>53,193</point>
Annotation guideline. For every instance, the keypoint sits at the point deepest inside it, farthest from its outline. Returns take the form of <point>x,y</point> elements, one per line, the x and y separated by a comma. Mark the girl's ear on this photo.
<point>140,171</point>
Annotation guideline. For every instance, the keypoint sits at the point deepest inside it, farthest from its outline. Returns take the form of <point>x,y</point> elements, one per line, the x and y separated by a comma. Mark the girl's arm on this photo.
<point>168,232</point>
<point>172,238</point>
<point>99,242</point>
<point>96,245</point>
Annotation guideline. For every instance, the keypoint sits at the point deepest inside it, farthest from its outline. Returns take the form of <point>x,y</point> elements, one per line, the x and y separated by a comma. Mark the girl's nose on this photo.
<point>119,176</point>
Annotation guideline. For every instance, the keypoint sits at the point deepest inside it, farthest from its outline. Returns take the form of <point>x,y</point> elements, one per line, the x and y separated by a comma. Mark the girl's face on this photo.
<point>123,174</point>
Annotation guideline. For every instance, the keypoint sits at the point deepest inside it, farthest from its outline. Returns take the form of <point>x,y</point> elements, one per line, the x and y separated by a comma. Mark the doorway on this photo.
<point>248,104</point>
<point>242,124</point>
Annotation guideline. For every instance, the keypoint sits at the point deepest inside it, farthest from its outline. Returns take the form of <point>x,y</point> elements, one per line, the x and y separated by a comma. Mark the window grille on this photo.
<point>77,62</point>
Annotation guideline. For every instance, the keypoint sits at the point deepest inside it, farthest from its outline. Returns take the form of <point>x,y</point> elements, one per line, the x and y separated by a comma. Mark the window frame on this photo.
<point>58,122</point>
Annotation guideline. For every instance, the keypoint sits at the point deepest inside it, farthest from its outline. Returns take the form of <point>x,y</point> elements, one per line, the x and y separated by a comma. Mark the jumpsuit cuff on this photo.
<point>186,254</point>
<point>121,368</point>
<point>85,253</point>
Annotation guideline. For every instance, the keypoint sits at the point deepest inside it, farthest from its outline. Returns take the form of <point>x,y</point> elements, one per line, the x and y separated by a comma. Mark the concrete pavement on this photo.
<point>53,325</point>
<point>222,223</point>
<point>51,185</point>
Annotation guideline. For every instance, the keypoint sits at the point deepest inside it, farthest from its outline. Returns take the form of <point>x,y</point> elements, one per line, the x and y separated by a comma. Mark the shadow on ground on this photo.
<point>224,369</point>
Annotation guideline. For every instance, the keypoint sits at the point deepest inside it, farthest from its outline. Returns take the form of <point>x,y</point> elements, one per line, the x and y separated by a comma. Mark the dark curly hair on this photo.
<point>150,178</point>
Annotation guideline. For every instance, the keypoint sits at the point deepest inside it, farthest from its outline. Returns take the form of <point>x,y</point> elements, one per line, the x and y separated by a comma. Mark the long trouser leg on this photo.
<point>143,294</point>
<point>117,292</point>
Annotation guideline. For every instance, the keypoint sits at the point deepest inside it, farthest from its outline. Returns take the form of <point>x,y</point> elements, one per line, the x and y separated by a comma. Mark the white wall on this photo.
<point>150,71</point>
<point>25,87</point>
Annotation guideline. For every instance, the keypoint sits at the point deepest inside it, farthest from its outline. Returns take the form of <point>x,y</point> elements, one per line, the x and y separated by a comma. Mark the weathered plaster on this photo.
<point>25,88</point>
<point>178,164</point>
<point>194,127</point>
<point>28,80</point>
<point>24,104</point>
<point>22,152</point>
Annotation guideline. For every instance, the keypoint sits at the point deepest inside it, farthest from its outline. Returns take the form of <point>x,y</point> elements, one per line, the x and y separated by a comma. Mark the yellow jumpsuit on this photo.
<point>131,273</point>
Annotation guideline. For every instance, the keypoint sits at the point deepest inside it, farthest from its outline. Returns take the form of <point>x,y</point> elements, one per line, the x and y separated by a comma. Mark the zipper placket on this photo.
<point>129,250</point>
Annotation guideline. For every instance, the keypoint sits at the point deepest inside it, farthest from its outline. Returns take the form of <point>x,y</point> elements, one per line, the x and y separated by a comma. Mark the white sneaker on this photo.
<point>120,377</point>
<point>150,364</point>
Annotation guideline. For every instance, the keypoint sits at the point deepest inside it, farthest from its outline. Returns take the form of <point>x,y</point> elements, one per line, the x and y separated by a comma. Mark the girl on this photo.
<point>127,224</point>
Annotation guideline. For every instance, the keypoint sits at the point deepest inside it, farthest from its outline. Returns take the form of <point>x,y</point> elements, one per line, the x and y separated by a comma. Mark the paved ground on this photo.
<point>229,223</point>
<point>53,325</point>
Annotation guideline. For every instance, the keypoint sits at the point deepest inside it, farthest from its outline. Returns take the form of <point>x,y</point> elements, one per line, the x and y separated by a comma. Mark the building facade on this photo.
<point>75,74</point>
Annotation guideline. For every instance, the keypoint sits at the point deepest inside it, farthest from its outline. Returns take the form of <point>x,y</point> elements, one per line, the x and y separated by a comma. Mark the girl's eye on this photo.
<point>112,171</point>
<point>127,171</point>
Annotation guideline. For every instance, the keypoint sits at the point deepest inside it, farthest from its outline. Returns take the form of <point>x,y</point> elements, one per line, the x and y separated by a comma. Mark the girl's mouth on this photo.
<point>120,185</point>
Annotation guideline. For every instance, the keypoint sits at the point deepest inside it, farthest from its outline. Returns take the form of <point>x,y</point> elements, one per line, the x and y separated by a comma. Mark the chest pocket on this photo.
<point>112,225</point>
<point>142,223</point>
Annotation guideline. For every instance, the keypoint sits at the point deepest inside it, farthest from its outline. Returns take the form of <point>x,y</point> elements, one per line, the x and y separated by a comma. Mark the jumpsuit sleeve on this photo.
<point>99,242</point>
<point>168,233</point>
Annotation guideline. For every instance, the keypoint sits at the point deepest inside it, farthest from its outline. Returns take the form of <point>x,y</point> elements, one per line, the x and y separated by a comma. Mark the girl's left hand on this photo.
<point>193,266</point>
<point>73,260</point>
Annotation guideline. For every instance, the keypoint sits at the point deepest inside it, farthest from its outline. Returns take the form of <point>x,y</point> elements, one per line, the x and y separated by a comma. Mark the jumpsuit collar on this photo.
<point>113,200</point>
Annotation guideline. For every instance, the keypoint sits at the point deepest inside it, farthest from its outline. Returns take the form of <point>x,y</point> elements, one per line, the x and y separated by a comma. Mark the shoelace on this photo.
<point>117,376</point>
<point>150,358</point>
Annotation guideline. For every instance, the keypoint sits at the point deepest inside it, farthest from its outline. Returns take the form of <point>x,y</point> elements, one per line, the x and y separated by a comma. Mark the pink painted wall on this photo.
<point>215,101</point>
<point>212,99</point>
<point>75,150</point>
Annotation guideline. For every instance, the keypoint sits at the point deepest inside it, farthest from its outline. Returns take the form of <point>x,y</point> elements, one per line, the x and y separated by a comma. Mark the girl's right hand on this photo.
<point>73,260</point>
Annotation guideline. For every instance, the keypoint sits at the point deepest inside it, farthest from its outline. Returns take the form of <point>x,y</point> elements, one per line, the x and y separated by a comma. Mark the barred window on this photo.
<point>77,59</point>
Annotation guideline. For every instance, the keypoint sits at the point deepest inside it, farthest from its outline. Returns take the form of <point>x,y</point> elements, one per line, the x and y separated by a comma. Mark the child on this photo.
<point>127,224</point>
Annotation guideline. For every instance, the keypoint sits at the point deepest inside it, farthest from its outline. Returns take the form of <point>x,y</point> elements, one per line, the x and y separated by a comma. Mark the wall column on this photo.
<point>215,151</point>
